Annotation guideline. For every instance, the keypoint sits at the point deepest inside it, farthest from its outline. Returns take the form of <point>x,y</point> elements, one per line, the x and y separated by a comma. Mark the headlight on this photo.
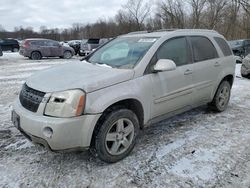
<point>66,104</point>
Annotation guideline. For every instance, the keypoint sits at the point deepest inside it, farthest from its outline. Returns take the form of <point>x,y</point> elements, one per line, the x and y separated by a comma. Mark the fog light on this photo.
<point>47,132</point>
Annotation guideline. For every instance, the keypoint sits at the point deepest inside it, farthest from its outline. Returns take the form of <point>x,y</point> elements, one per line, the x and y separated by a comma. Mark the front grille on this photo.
<point>30,98</point>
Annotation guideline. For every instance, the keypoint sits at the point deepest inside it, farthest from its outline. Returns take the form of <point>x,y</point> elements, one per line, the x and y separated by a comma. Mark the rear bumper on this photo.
<point>67,133</point>
<point>22,52</point>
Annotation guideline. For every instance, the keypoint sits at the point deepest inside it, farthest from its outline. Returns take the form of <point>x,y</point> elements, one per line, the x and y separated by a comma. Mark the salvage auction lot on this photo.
<point>197,148</point>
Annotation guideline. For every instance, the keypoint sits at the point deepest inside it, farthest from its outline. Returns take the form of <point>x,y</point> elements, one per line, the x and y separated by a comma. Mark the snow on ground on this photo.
<point>195,149</point>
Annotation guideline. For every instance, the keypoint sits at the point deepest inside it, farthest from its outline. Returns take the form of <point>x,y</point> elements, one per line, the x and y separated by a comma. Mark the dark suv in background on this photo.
<point>87,46</point>
<point>38,48</point>
<point>1,53</point>
<point>9,45</point>
<point>240,47</point>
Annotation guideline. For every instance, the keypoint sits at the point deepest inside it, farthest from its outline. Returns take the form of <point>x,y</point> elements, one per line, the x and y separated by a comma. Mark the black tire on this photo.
<point>221,97</point>
<point>67,55</point>
<point>102,144</point>
<point>36,55</point>
<point>15,50</point>
<point>246,76</point>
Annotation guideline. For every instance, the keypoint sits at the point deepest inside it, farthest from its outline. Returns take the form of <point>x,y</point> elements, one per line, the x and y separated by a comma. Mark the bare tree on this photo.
<point>137,11</point>
<point>197,8</point>
<point>215,12</point>
<point>172,13</point>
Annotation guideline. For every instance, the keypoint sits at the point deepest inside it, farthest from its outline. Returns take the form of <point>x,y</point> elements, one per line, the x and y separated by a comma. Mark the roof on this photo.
<point>37,39</point>
<point>163,32</point>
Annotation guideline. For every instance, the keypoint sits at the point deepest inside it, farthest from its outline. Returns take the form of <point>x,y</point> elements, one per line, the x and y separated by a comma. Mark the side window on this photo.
<point>247,42</point>
<point>52,43</point>
<point>174,49</point>
<point>203,49</point>
<point>223,46</point>
<point>49,43</point>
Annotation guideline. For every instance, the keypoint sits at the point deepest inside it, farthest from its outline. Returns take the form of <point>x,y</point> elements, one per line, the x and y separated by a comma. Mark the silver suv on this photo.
<point>102,102</point>
<point>87,46</point>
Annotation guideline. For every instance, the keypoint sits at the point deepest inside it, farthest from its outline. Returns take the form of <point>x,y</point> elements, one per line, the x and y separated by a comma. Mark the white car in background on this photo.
<point>245,68</point>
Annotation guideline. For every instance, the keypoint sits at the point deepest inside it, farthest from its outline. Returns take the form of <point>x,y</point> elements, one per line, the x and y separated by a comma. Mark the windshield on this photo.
<point>236,43</point>
<point>123,52</point>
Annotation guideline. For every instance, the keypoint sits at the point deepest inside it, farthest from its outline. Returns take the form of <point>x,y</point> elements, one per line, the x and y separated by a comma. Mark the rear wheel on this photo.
<point>36,55</point>
<point>15,50</point>
<point>116,137</point>
<point>67,55</point>
<point>221,98</point>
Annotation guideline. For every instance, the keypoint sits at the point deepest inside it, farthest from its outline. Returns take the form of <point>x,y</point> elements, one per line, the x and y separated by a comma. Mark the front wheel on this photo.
<point>221,98</point>
<point>67,55</point>
<point>116,136</point>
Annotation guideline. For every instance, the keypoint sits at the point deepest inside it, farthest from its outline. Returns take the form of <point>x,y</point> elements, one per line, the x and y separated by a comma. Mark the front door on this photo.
<point>172,90</point>
<point>55,48</point>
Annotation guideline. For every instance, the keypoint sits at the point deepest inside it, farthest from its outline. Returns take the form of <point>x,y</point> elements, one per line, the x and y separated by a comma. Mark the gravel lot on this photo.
<point>196,149</point>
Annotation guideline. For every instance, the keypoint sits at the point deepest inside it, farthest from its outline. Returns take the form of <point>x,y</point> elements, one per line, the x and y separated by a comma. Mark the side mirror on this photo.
<point>164,65</point>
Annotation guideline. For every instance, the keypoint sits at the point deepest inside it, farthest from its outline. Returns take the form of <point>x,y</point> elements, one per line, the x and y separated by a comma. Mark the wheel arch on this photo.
<point>36,51</point>
<point>229,78</point>
<point>130,103</point>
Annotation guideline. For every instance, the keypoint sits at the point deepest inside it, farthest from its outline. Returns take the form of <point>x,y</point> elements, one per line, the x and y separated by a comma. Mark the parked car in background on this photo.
<point>245,67</point>
<point>1,52</point>
<point>38,48</point>
<point>240,47</point>
<point>88,46</point>
<point>75,44</point>
<point>134,80</point>
<point>9,45</point>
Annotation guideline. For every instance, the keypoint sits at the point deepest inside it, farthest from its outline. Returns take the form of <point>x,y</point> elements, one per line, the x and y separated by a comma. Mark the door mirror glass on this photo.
<point>164,65</point>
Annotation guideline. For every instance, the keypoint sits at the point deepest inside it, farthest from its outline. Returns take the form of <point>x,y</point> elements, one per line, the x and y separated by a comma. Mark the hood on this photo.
<point>81,75</point>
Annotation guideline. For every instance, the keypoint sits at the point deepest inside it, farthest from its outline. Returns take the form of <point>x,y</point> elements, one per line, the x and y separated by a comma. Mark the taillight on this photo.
<point>26,44</point>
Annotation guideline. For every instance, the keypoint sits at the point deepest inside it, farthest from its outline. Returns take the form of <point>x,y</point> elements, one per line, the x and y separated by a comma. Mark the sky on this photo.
<point>55,13</point>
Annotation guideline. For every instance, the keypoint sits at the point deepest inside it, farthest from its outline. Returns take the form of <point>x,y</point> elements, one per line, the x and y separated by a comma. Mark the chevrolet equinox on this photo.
<point>136,79</point>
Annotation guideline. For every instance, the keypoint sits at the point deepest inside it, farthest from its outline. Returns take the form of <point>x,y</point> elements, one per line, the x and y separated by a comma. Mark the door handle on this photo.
<point>188,71</point>
<point>217,64</point>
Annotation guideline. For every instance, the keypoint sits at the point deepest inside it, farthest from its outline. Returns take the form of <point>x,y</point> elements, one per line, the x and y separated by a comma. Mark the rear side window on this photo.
<point>38,43</point>
<point>174,49</point>
<point>223,46</point>
<point>203,49</point>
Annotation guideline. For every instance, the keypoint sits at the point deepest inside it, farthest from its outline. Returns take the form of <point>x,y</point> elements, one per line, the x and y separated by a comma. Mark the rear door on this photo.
<point>172,90</point>
<point>207,67</point>
<point>44,48</point>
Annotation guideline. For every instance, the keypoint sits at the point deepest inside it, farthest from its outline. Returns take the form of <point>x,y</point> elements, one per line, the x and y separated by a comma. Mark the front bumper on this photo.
<point>84,52</point>
<point>68,133</point>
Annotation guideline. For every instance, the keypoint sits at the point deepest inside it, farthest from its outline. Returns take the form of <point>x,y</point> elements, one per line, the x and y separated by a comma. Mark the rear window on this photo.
<point>203,49</point>
<point>247,42</point>
<point>223,46</point>
<point>93,41</point>
<point>10,41</point>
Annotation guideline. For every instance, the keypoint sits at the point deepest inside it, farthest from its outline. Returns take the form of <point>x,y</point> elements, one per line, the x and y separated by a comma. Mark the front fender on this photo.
<point>99,101</point>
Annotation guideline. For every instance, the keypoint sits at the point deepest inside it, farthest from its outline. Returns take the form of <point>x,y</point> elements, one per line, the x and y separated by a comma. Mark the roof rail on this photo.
<point>162,30</point>
<point>198,30</point>
<point>138,32</point>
